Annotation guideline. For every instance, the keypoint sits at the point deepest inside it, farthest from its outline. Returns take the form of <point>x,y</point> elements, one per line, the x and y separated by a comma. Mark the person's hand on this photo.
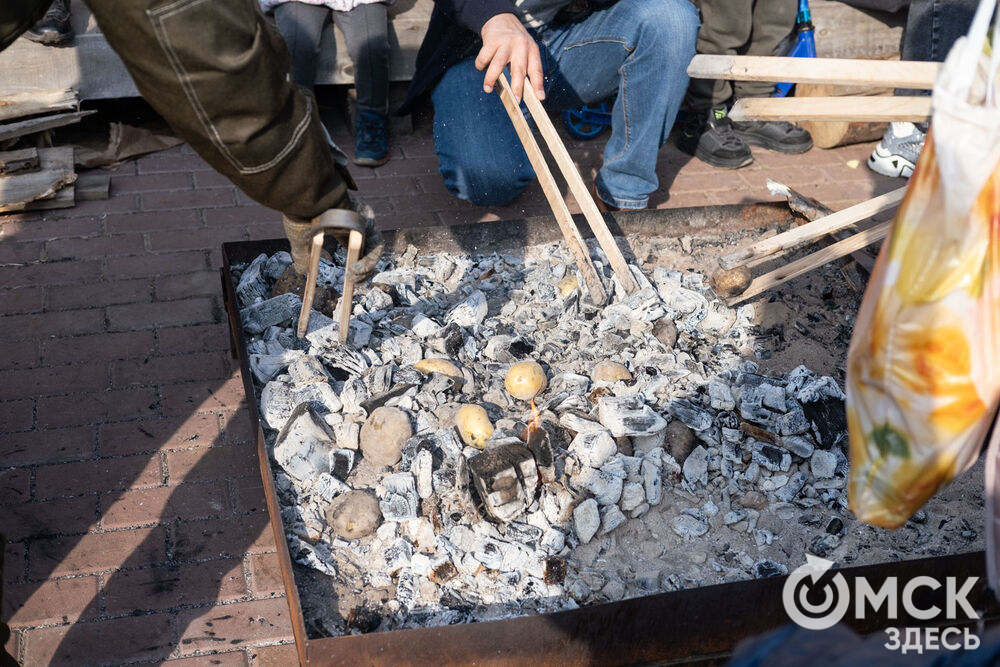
<point>505,41</point>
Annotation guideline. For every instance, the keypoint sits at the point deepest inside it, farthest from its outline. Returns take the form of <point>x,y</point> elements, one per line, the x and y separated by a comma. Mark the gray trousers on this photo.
<point>366,34</point>
<point>739,27</point>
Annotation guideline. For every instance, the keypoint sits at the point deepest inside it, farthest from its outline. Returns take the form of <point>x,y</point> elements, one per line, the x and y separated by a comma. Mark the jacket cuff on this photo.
<point>476,13</point>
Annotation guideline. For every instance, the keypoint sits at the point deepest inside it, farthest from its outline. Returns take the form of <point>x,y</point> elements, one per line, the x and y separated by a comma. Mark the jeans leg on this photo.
<point>932,26</point>
<point>366,31</point>
<point>302,27</point>
<point>218,73</point>
<point>479,155</point>
<point>643,47</point>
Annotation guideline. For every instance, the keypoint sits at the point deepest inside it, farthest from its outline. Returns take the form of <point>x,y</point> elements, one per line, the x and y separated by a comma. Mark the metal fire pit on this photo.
<point>693,626</point>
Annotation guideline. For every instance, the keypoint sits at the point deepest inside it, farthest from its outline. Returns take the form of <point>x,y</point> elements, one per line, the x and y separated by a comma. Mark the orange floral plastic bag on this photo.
<point>923,379</point>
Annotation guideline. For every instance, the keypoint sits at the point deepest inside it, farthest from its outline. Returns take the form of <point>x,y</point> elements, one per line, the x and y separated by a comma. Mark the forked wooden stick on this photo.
<point>579,190</point>
<point>812,230</point>
<point>812,261</point>
<point>833,71</point>
<point>309,293</point>
<point>354,243</point>
<point>574,240</point>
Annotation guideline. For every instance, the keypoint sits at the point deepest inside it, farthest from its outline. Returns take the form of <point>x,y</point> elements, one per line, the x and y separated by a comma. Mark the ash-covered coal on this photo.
<point>665,456</point>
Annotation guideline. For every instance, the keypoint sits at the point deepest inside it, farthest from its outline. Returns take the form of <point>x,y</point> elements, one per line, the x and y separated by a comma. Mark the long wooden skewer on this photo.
<point>354,243</point>
<point>570,233</point>
<point>812,261</point>
<point>812,230</point>
<point>579,190</point>
<point>309,293</point>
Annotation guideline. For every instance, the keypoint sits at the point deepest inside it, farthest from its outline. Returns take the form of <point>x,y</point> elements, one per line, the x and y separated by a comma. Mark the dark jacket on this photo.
<point>453,36</point>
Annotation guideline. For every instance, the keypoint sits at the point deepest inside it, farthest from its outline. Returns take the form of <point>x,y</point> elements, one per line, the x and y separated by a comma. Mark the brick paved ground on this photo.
<point>130,487</point>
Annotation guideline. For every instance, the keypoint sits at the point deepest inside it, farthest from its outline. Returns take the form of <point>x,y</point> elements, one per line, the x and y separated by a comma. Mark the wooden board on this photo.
<point>55,171</point>
<point>93,185</point>
<point>852,109</point>
<point>22,104</point>
<point>31,125</point>
<point>12,162</point>
<point>64,198</point>
<point>836,71</point>
<point>832,133</point>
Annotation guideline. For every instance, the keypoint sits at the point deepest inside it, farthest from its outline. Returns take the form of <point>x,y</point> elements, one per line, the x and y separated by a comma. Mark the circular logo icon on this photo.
<point>795,594</point>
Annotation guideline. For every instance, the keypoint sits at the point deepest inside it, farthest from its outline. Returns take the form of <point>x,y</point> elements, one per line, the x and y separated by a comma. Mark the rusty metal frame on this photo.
<point>694,626</point>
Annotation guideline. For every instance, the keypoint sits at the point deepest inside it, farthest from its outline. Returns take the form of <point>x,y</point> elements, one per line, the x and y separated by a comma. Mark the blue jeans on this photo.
<point>641,48</point>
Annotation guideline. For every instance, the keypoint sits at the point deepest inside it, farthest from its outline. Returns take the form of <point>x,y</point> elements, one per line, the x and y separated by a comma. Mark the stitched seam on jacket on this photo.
<point>156,18</point>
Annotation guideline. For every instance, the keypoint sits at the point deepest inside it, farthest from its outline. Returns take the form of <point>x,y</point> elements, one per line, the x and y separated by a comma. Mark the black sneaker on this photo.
<point>709,136</point>
<point>777,135</point>
<point>371,147</point>
<point>53,29</point>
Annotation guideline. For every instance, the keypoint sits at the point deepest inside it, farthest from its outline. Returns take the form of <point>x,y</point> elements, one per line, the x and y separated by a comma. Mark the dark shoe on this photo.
<point>371,147</point>
<point>709,136</point>
<point>52,29</point>
<point>777,135</point>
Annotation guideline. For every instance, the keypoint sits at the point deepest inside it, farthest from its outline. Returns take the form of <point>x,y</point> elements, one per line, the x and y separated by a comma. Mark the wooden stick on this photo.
<point>860,109</point>
<point>354,242</point>
<point>32,125</point>
<point>835,71</point>
<point>580,190</point>
<point>812,230</point>
<point>574,240</point>
<point>309,293</point>
<point>36,101</point>
<point>812,261</point>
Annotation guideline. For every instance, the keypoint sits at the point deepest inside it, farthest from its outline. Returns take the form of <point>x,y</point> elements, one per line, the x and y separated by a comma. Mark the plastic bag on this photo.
<point>923,378</point>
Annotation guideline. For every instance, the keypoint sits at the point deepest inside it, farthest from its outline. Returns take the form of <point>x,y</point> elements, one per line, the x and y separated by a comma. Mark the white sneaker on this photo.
<point>896,155</point>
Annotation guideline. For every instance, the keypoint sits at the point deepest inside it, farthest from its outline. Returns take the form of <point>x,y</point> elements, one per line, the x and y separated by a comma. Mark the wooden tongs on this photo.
<point>339,220</point>
<point>574,240</point>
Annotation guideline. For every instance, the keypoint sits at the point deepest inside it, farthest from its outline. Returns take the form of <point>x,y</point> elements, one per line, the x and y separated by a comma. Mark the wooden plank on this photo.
<point>812,261</point>
<point>574,240</point>
<point>64,198</point>
<point>837,71</point>
<point>812,230</point>
<point>580,191</point>
<point>12,162</point>
<point>31,125</point>
<point>871,109</point>
<point>55,171</point>
<point>93,185</point>
<point>829,134</point>
<point>35,102</point>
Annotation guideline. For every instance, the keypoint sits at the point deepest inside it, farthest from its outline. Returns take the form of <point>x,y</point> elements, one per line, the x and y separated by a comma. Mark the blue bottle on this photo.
<point>804,45</point>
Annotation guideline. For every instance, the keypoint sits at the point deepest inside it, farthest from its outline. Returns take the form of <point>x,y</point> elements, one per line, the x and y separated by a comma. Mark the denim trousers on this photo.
<point>932,26</point>
<point>641,48</point>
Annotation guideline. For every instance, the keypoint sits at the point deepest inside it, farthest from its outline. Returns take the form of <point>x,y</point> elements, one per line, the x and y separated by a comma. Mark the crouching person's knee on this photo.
<point>486,184</point>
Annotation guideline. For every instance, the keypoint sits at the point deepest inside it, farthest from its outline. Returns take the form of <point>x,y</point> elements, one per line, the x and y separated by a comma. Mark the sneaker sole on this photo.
<point>888,164</point>
<point>722,162</point>
<point>370,162</point>
<point>793,149</point>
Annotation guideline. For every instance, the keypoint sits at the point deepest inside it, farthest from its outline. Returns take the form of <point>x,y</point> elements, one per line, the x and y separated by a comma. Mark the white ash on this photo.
<point>614,515</point>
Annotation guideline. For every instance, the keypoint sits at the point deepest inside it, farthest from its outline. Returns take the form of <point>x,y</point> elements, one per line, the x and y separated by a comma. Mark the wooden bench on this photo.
<point>92,68</point>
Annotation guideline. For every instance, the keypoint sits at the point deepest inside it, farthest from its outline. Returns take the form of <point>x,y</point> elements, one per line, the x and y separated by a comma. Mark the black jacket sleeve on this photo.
<point>472,14</point>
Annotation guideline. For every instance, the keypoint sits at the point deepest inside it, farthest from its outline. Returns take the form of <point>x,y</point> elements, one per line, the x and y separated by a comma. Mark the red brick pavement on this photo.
<point>128,478</point>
